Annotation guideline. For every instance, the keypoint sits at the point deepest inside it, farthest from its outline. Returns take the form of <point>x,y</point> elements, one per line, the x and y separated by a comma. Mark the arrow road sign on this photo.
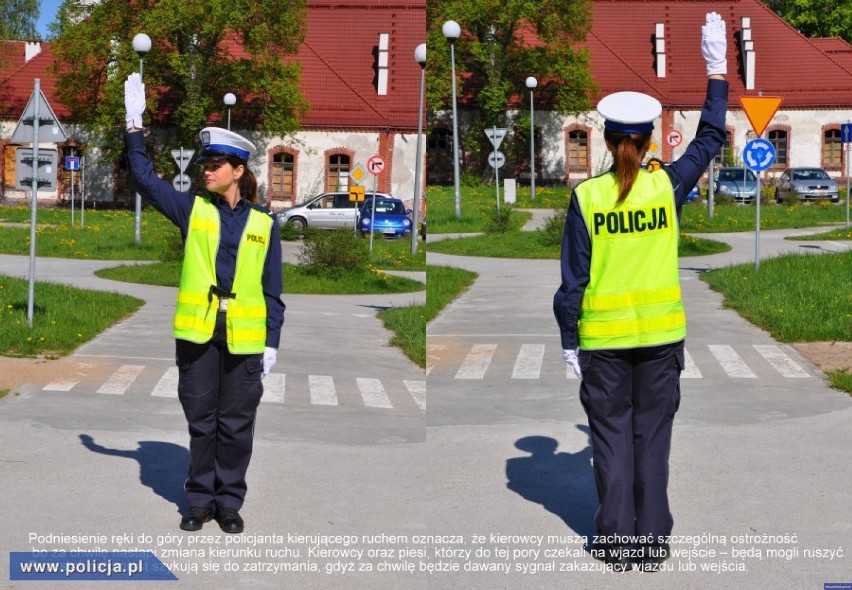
<point>759,154</point>
<point>846,133</point>
<point>375,165</point>
<point>674,137</point>
<point>50,129</point>
<point>182,158</point>
<point>496,159</point>
<point>181,182</point>
<point>496,135</point>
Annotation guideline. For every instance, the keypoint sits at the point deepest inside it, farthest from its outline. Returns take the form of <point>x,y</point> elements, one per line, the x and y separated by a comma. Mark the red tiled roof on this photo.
<point>17,80</point>
<point>338,63</point>
<point>788,64</point>
<point>337,60</point>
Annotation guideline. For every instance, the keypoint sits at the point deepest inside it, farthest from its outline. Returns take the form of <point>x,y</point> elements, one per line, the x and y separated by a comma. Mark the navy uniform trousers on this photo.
<point>630,397</point>
<point>219,392</point>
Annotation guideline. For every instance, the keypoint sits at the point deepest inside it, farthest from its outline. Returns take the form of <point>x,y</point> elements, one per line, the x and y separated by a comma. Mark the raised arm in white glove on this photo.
<point>571,357</point>
<point>270,357</point>
<point>714,44</point>
<point>134,101</point>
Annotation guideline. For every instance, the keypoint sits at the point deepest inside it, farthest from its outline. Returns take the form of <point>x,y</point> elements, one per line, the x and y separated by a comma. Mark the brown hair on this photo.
<point>248,182</point>
<point>627,152</point>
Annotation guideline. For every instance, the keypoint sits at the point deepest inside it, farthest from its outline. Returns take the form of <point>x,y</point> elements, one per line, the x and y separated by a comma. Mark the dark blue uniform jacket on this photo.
<point>177,206</point>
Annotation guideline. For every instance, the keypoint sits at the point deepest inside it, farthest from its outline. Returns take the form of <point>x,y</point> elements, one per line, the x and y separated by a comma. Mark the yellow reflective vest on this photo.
<point>195,313</point>
<point>633,297</point>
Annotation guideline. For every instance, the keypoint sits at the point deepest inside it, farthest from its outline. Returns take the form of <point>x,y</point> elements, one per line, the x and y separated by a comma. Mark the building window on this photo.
<point>338,172</point>
<point>832,149</point>
<point>578,149</point>
<point>281,177</point>
<point>779,140</point>
<point>725,156</point>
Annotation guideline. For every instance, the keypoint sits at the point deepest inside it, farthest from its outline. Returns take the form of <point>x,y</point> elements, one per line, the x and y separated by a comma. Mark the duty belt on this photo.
<point>222,295</point>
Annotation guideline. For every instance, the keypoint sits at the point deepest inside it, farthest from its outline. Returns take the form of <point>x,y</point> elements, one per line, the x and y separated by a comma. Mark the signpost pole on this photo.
<point>757,223</point>
<point>33,197</point>
<point>496,175</point>
<point>72,197</point>
<point>373,210</point>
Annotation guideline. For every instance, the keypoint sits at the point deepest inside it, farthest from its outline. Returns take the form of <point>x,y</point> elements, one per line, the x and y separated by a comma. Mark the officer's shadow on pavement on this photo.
<point>162,466</point>
<point>563,483</point>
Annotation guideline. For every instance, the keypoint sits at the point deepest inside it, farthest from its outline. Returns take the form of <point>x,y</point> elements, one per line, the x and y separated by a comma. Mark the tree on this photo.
<point>816,18</point>
<point>200,52</point>
<point>502,43</point>
<point>18,20</point>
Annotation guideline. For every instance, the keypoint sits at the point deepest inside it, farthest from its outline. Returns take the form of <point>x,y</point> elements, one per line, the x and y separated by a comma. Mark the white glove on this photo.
<point>270,357</point>
<point>134,100</point>
<point>714,44</point>
<point>571,357</point>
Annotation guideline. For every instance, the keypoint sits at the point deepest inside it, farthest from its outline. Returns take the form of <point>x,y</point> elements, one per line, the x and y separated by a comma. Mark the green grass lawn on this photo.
<point>296,280</point>
<point>443,284</point>
<point>63,317</point>
<point>107,235</point>
<point>796,298</point>
<point>476,203</point>
<point>837,234</point>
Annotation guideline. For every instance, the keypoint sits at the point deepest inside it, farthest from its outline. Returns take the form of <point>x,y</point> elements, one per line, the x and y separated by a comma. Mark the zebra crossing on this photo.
<point>528,360</point>
<point>322,390</point>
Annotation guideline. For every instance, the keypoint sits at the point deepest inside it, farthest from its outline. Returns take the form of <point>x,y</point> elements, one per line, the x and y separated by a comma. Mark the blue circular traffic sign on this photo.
<point>759,154</point>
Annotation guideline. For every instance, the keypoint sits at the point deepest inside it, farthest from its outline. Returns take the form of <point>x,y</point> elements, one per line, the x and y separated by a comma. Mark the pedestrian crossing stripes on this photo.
<point>527,361</point>
<point>322,390</point>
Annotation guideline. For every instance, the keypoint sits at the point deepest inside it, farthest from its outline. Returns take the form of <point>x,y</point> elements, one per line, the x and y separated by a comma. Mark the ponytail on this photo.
<point>627,152</point>
<point>248,186</point>
<point>248,182</point>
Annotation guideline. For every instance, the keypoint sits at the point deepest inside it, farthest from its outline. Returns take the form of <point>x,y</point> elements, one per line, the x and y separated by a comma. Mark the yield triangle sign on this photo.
<point>760,110</point>
<point>496,135</point>
<point>50,129</point>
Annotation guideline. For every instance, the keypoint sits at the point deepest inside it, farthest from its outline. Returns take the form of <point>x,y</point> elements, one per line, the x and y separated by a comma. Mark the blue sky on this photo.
<point>48,10</point>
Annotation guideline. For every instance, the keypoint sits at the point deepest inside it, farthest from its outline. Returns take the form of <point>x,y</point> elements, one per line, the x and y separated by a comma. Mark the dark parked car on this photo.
<point>806,184</point>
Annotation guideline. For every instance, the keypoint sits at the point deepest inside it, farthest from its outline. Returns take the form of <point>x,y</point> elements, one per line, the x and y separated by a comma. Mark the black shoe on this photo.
<point>195,518</point>
<point>652,556</point>
<point>229,520</point>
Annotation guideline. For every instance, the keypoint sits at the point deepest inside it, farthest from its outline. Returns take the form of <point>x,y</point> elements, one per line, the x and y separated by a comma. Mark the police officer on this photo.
<point>620,312</point>
<point>229,312</point>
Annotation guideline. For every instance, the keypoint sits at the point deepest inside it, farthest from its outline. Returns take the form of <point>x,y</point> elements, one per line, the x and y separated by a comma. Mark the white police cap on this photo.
<point>218,143</point>
<point>629,112</point>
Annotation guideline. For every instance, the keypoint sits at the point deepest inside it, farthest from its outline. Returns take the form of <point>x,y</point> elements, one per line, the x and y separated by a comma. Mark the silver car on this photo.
<point>740,184</point>
<point>806,184</point>
<point>333,210</point>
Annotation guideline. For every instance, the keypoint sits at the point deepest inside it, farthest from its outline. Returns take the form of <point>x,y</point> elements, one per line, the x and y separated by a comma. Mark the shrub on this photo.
<point>554,227</point>
<point>333,252</point>
<point>500,221</point>
<point>290,232</point>
<point>171,249</point>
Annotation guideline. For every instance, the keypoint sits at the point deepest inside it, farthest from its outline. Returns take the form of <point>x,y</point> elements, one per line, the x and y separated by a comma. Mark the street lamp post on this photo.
<point>531,84</point>
<point>141,45</point>
<point>420,58</point>
<point>452,31</point>
<point>230,100</point>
